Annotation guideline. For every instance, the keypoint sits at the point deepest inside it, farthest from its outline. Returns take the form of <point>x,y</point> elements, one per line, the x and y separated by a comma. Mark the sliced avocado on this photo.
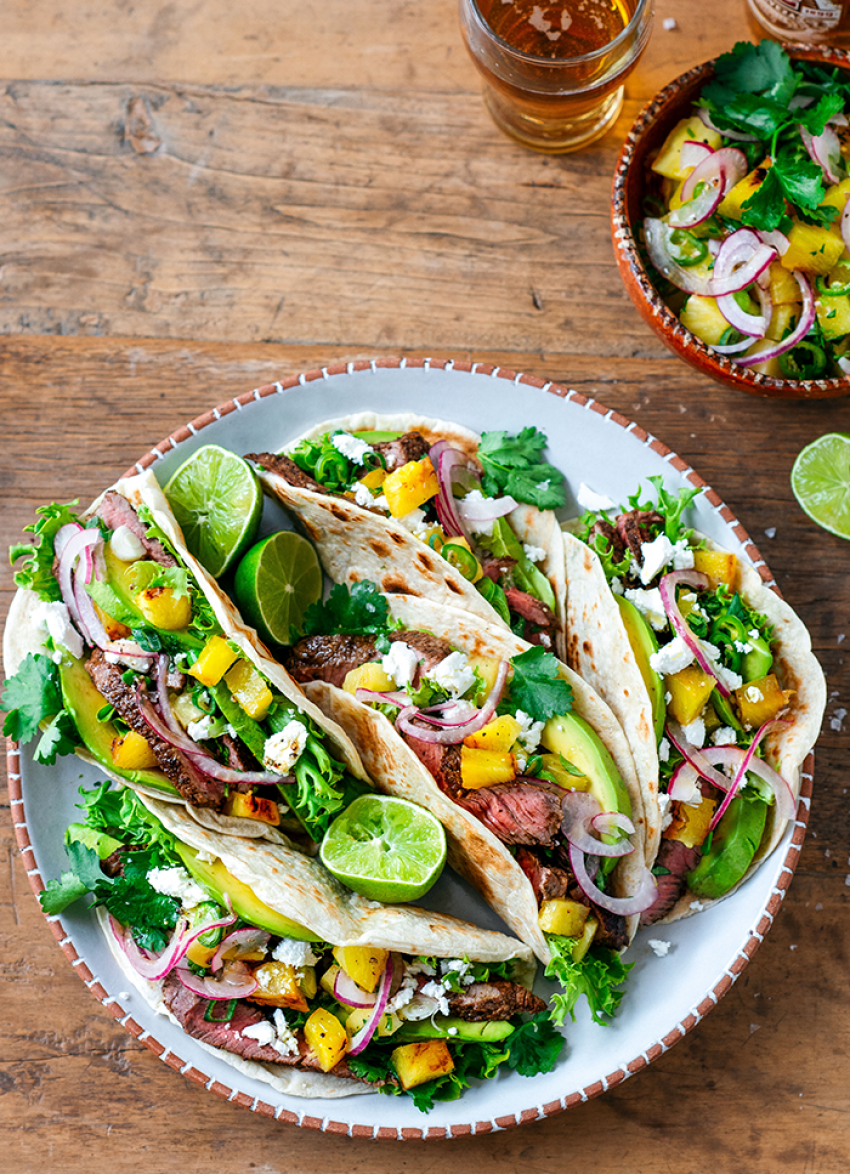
<point>490,1031</point>
<point>503,543</point>
<point>377,437</point>
<point>758,662</point>
<point>725,711</point>
<point>736,839</point>
<point>579,743</point>
<point>216,879</point>
<point>249,730</point>
<point>118,594</point>
<point>82,700</point>
<point>644,644</point>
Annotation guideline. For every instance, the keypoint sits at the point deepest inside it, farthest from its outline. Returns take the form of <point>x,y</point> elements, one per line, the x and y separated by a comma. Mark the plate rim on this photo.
<point>304,1120</point>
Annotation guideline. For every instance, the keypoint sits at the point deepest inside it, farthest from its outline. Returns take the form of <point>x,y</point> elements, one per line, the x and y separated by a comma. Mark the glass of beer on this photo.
<point>553,72</point>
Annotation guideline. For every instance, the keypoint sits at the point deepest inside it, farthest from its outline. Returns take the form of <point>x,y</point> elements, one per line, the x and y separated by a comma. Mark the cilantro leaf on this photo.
<point>61,893</point>
<point>31,696</point>
<point>514,465</point>
<point>597,976</point>
<point>814,118</point>
<point>765,208</point>
<point>358,611</point>
<point>800,177</point>
<point>534,1046</point>
<point>753,69</point>
<point>536,687</point>
<point>36,574</point>
<point>60,737</point>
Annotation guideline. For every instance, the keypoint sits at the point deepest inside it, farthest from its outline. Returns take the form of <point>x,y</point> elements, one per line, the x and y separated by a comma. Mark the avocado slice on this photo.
<point>100,842</point>
<point>217,880</point>
<point>758,662</point>
<point>117,597</point>
<point>725,711</point>
<point>644,644</point>
<point>489,1032</point>
<point>376,437</point>
<point>733,847</point>
<point>579,743</point>
<point>82,700</point>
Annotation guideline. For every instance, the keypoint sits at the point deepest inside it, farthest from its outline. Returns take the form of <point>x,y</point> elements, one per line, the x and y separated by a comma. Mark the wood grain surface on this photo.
<point>198,199</point>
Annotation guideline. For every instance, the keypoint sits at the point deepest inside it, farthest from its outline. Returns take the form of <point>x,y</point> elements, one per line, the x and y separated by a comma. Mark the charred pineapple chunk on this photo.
<point>249,689</point>
<point>133,752</point>
<point>812,248</point>
<point>114,629</point>
<point>701,315</point>
<point>410,486</point>
<point>215,659</point>
<point>690,824</point>
<point>326,1038</point>
<point>760,701</point>
<point>278,986</point>
<point>363,964</point>
<point>583,944</point>
<point>689,690</point>
<point>485,768</point>
<point>415,1063</point>
<point>721,566</point>
<point>732,202</point>
<point>499,734</point>
<point>563,917</point>
<point>388,1024</point>
<point>163,608</point>
<point>669,159</point>
<point>368,676</point>
<point>247,806</point>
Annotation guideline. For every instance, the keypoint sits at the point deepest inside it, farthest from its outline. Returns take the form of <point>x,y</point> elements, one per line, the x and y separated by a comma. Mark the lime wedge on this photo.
<point>820,481</point>
<point>275,583</point>
<point>384,848</point>
<point>217,500</point>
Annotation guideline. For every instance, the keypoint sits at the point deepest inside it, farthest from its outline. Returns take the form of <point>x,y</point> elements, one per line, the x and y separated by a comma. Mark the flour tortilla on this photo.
<point>22,636</point>
<point>303,890</point>
<point>473,850</point>
<point>356,543</point>
<point>598,648</point>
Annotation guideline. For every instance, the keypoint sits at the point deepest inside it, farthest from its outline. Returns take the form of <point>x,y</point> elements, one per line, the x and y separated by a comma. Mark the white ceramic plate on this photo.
<point>665,996</point>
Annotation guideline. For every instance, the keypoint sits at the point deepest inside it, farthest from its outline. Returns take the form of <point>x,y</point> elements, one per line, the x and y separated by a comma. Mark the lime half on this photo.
<point>820,481</point>
<point>275,583</point>
<point>217,500</point>
<point>384,848</point>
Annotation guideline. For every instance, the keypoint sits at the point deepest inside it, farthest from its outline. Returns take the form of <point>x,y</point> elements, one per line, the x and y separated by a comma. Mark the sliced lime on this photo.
<point>217,500</point>
<point>384,848</point>
<point>820,481</point>
<point>275,583</point>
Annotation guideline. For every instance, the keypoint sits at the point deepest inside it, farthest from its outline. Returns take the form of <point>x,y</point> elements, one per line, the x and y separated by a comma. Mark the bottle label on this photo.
<point>820,14</point>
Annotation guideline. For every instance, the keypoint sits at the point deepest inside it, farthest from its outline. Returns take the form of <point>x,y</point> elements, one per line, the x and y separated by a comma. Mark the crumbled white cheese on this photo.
<point>476,525</point>
<point>126,545</point>
<point>350,446</point>
<point>534,554</point>
<point>663,750</point>
<point>695,732</point>
<point>415,523</point>
<point>263,1032</point>
<point>617,586</point>
<point>725,736</point>
<point>461,965</point>
<point>664,810</point>
<point>294,953</point>
<point>588,500</point>
<point>683,556</point>
<point>207,726</point>
<point>754,635</point>
<point>400,663</point>
<point>649,604</point>
<point>655,556</point>
<point>454,673</point>
<point>204,857</point>
<point>530,732</point>
<point>742,646</point>
<point>363,495</point>
<point>286,1042</point>
<point>176,882</point>
<point>282,750</point>
<point>726,676</point>
<point>671,658</point>
<point>381,502</point>
<point>55,618</point>
<point>659,947</point>
<point>436,991</point>
<point>753,694</point>
<point>697,906</point>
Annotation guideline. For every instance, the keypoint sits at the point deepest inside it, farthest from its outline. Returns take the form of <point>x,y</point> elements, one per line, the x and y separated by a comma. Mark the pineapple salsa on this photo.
<point>748,223</point>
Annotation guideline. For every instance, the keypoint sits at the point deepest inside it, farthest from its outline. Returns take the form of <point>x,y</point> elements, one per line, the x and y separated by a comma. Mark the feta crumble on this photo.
<point>649,604</point>
<point>663,751</point>
<point>350,446</point>
<point>664,802</point>
<point>534,554</point>
<point>55,618</point>
<point>671,658</point>
<point>207,726</point>
<point>661,552</point>
<point>588,500</point>
<point>400,663</point>
<point>454,673</point>
<point>659,947</point>
<point>282,750</point>
<point>725,736</point>
<point>476,525</point>
<point>176,882</point>
<point>363,495</point>
<point>294,953</point>
<point>695,732</point>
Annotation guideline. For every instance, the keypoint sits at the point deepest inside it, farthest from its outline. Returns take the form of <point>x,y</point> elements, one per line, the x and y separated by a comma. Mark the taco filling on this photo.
<point>243,978</point>
<point>707,658</point>
<point>137,669</point>
<point>456,503</point>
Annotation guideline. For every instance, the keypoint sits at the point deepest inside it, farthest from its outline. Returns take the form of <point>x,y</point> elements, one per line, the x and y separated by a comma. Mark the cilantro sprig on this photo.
<point>514,465</point>
<point>536,687</point>
<point>358,610</point>
<point>33,696</point>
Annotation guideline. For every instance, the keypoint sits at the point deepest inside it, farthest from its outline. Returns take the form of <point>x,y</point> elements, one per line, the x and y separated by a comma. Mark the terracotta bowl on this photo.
<point>643,141</point>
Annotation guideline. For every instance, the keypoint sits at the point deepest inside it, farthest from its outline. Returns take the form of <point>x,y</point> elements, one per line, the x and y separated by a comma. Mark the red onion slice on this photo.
<point>741,772</point>
<point>361,1039</point>
<point>693,153</point>
<point>642,900</point>
<point>398,698</point>
<point>487,510</point>
<point>655,234</point>
<point>823,149</point>
<point>235,982</point>
<point>695,756</point>
<point>242,941</point>
<point>577,832</point>
<point>455,733</point>
<point>73,546</point>
<point>448,462</point>
<point>699,208</point>
<point>738,136</point>
<point>807,318</point>
<point>723,168</point>
<point>63,535</point>
<point>683,783</point>
<point>742,258</point>
<point>754,325</point>
<point>776,239</point>
<point>667,587</point>
<point>348,992</point>
<point>159,965</point>
<point>733,348</point>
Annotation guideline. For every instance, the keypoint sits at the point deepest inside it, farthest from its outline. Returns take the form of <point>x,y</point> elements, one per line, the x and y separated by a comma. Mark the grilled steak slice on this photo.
<point>495,1000</point>
<point>116,511</point>
<point>634,528</point>
<point>286,468</point>
<point>189,1010</point>
<point>195,788</point>
<point>328,658</point>
<point>517,813</point>
<point>432,649</point>
<point>547,881</point>
<point>679,860</point>
<point>239,757</point>
<point>531,609</point>
<point>411,447</point>
<point>443,762</point>
<point>494,568</point>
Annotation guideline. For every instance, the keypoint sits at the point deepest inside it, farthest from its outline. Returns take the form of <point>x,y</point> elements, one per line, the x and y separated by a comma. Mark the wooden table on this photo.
<point>195,200</point>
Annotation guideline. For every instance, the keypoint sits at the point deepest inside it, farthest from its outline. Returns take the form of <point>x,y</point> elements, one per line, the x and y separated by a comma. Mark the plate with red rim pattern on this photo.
<point>665,996</point>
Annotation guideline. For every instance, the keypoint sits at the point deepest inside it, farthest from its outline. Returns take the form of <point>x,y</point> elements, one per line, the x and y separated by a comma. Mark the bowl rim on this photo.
<point>665,323</point>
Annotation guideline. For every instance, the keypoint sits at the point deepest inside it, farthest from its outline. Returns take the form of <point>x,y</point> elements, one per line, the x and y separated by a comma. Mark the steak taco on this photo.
<point>713,680</point>
<point>523,764</point>
<point>264,959</point>
<point>424,507</point>
<point>122,649</point>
